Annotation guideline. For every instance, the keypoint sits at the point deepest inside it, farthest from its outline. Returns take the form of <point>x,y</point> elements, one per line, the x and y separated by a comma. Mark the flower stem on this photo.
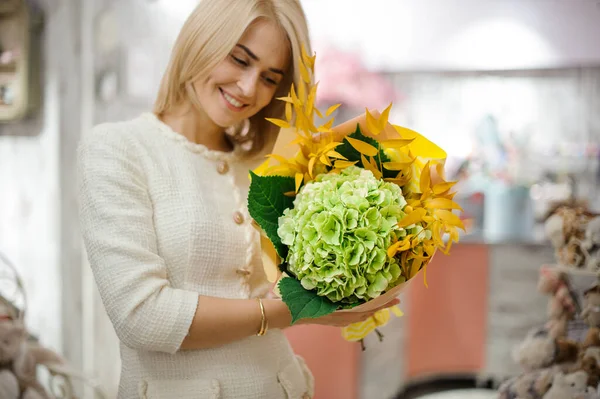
<point>379,335</point>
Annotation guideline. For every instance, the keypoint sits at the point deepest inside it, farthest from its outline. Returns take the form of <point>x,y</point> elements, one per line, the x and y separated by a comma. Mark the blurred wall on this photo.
<point>460,34</point>
<point>38,230</point>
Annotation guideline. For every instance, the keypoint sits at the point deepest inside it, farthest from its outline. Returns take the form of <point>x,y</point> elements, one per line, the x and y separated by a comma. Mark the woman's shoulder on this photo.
<point>121,144</point>
<point>120,132</point>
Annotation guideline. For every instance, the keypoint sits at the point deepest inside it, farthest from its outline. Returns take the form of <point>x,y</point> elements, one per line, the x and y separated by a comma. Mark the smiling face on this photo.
<point>247,79</point>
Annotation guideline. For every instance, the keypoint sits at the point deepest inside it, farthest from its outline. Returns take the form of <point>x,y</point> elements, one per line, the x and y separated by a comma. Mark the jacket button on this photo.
<point>306,396</point>
<point>238,217</point>
<point>222,167</point>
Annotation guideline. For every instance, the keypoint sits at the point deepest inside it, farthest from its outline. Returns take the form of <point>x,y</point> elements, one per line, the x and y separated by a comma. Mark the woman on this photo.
<point>164,218</point>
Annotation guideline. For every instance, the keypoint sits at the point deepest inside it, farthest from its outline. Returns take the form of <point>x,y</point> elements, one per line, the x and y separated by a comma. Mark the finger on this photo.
<point>387,305</point>
<point>357,318</point>
<point>365,316</point>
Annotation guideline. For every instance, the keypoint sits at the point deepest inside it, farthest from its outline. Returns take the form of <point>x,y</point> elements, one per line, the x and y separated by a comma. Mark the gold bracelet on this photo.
<point>263,323</point>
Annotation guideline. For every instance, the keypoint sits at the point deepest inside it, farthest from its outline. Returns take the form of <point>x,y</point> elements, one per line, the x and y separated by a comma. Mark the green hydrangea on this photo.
<point>338,232</point>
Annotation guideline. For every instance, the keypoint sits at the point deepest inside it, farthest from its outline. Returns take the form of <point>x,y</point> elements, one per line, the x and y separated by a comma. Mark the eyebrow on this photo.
<point>255,58</point>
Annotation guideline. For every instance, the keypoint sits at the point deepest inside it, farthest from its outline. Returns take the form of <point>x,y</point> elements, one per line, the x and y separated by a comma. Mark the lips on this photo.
<point>232,103</point>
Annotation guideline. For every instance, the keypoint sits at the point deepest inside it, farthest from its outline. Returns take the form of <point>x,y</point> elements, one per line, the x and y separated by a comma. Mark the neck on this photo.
<point>197,127</point>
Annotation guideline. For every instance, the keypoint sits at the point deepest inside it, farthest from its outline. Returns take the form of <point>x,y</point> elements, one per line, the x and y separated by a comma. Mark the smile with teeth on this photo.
<point>232,100</point>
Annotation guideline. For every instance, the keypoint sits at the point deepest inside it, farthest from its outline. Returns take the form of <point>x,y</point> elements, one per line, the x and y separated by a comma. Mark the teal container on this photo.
<point>508,213</point>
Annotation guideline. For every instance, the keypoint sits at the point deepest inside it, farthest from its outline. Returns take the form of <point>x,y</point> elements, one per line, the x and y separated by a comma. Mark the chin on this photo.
<point>227,123</point>
<point>221,120</point>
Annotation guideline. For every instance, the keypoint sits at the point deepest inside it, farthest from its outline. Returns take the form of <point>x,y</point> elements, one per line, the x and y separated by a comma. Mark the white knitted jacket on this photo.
<point>159,223</point>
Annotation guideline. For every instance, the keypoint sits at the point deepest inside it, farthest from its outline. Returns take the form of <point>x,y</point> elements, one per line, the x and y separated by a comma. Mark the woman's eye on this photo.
<point>239,61</point>
<point>271,81</point>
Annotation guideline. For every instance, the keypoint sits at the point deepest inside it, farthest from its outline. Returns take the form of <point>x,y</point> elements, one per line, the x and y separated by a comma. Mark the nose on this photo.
<point>248,83</point>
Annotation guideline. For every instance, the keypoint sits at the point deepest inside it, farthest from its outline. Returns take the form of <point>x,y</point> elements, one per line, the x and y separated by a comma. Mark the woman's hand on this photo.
<point>344,319</point>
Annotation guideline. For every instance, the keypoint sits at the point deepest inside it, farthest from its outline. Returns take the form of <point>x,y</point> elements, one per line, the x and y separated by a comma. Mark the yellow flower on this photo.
<point>411,157</point>
<point>358,331</point>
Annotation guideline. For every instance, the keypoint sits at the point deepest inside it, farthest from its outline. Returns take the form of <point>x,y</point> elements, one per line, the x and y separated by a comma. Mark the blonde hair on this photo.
<point>208,36</point>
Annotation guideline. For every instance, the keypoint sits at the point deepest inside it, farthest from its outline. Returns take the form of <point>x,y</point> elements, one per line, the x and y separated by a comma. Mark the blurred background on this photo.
<point>510,88</point>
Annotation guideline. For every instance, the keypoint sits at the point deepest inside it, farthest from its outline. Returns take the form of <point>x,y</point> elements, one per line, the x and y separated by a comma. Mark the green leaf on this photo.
<point>302,303</point>
<point>348,151</point>
<point>266,203</point>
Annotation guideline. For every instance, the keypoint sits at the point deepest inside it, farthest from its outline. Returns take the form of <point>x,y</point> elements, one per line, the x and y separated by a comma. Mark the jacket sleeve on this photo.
<point>116,221</point>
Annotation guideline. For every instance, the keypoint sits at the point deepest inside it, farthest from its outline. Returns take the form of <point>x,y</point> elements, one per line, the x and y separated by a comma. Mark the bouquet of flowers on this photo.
<point>350,218</point>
